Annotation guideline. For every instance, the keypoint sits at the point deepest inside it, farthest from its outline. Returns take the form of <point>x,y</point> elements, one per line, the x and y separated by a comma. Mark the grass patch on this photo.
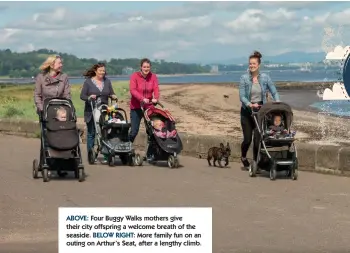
<point>17,101</point>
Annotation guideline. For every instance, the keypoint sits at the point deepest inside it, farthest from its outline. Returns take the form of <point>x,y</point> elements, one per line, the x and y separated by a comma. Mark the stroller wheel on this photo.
<point>289,172</point>
<point>253,169</point>
<point>273,171</point>
<point>177,162</point>
<point>294,170</point>
<point>172,162</point>
<point>131,160</point>
<point>46,176</point>
<point>138,160</point>
<point>91,156</point>
<point>124,159</point>
<point>111,161</point>
<point>81,175</point>
<point>35,168</point>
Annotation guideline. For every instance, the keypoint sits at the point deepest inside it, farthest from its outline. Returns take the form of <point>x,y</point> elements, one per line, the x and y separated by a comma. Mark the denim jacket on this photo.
<point>266,84</point>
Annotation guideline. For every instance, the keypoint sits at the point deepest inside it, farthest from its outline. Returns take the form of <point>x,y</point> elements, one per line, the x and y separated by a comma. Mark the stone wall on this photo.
<point>317,158</point>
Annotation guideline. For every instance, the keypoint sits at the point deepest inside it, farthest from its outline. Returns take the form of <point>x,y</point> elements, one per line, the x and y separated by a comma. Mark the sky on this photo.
<point>176,31</point>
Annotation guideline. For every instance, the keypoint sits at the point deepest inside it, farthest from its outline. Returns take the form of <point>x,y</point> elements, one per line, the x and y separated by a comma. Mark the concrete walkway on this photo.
<point>249,214</point>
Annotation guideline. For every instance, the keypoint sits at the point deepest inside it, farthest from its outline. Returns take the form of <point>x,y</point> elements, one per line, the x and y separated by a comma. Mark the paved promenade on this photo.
<point>249,214</point>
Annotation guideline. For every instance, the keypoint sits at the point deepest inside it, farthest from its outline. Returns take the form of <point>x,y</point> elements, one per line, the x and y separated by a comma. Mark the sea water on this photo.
<point>334,107</point>
<point>332,132</point>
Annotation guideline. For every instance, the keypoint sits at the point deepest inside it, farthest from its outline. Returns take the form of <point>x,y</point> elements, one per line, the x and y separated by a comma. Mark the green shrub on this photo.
<point>11,111</point>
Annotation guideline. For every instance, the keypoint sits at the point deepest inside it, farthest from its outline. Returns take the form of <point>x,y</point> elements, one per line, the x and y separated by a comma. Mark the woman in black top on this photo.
<point>96,87</point>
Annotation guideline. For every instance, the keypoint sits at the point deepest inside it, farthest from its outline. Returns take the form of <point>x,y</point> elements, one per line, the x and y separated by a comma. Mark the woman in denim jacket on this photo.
<point>253,88</point>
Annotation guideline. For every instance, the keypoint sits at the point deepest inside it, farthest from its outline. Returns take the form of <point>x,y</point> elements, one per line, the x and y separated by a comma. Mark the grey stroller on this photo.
<point>60,149</point>
<point>276,152</point>
<point>112,137</point>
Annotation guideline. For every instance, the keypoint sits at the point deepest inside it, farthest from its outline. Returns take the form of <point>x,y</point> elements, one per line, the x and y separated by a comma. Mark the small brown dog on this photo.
<point>219,154</point>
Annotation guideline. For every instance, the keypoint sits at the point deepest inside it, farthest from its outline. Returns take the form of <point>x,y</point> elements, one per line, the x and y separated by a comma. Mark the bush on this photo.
<point>12,111</point>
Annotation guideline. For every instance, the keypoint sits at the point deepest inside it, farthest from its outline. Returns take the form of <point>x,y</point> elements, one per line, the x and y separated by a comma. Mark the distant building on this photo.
<point>127,71</point>
<point>272,65</point>
<point>214,69</point>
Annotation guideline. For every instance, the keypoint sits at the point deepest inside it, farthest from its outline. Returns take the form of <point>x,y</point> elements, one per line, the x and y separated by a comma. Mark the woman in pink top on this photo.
<point>144,89</point>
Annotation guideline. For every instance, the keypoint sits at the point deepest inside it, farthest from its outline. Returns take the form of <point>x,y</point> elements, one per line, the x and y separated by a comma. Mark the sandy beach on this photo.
<point>202,109</point>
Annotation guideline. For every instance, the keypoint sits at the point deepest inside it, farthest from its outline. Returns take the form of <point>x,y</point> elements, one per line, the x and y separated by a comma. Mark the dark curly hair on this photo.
<point>91,72</point>
<point>256,55</point>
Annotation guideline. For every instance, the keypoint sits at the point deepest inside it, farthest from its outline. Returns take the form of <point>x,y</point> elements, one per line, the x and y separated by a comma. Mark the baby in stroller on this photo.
<point>114,116</point>
<point>59,150</point>
<point>277,127</point>
<point>161,131</point>
<point>61,114</point>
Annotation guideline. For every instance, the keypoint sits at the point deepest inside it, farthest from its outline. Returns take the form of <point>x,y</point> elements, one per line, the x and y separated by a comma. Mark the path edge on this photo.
<point>325,159</point>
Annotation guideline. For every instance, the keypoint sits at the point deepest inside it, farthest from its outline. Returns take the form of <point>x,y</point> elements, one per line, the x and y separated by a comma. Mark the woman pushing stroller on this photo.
<point>144,89</point>
<point>164,144</point>
<point>96,87</point>
<point>253,88</point>
<point>51,83</point>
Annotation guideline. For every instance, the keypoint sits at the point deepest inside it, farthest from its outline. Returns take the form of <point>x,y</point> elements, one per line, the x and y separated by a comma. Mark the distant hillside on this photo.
<point>27,64</point>
<point>290,57</point>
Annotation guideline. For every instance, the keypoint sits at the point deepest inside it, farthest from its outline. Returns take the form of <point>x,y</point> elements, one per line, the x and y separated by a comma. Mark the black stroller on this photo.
<point>161,147</point>
<point>59,149</point>
<point>112,136</point>
<point>283,159</point>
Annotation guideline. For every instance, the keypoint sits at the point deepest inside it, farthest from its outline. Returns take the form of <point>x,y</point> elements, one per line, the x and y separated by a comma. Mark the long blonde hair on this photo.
<point>46,65</point>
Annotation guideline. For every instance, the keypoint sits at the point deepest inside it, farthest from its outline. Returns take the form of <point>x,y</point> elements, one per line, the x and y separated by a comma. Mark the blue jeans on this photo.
<point>90,135</point>
<point>136,116</point>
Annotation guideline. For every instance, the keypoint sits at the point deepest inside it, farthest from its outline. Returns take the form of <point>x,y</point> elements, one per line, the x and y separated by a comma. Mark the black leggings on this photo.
<point>248,127</point>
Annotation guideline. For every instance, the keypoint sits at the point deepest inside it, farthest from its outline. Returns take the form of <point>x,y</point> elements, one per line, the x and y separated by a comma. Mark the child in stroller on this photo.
<point>60,150</point>
<point>61,114</point>
<point>164,144</point>
<point>112,137</point>
<point>276,144</point>
<point>160,130</point>
<point>114,116</point>
<point>277,129</point>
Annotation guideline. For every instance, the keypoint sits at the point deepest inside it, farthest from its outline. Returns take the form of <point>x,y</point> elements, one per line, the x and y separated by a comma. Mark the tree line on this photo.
<point>16,65</point>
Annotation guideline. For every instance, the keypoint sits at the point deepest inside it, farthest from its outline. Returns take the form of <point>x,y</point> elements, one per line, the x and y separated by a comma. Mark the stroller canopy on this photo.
<point>152,111</point>
<point>276,107</point>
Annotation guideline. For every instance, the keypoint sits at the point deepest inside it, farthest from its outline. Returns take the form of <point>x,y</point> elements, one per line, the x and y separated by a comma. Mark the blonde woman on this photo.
<point>51,82</point>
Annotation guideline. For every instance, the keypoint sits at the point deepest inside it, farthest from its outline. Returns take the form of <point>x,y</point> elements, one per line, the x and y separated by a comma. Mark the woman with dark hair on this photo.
<point>95,85</point>
<point>253,88</point>
<point>144,88</point>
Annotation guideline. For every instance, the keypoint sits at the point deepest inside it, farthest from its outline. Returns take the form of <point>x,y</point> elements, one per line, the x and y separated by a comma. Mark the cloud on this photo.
<point>338,92</point>
<point>64,19</point>
<point>192,9</point>
<point>339,53</point>
<point>193,31</point>
<point>253,20</point>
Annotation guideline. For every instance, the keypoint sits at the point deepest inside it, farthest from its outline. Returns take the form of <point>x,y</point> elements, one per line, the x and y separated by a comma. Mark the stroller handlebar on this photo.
<point>94,100</point>
<point>255,110</point>
<point>155,104</point>
<point>98,96</point>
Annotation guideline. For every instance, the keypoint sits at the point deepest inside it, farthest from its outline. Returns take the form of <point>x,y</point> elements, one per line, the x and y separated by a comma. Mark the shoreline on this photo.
<point>194,106</point>
<point>117,76</point>
<point>283,85</point>
<point>216,109</point>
